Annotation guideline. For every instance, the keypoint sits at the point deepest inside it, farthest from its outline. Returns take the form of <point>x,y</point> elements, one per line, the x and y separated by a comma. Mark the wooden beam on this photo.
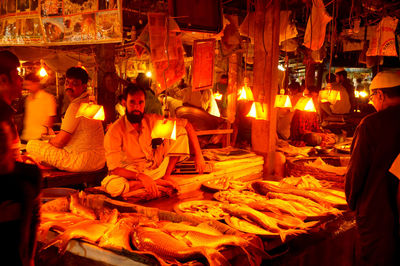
<point>266,58</point>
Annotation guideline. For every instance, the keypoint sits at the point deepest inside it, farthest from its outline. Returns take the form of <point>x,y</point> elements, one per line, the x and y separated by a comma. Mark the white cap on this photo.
<point>339,69</point>
<point>385,79</point>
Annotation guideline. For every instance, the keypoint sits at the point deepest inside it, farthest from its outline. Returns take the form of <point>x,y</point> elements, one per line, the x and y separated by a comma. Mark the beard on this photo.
<point>135,117</point>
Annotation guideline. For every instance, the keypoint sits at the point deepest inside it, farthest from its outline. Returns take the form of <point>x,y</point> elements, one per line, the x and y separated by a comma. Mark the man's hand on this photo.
<point>168,182</point>
<point>149,184</point>
<point>199,163</point>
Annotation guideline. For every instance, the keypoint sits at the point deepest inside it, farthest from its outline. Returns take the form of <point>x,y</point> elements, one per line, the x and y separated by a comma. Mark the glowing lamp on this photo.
<point>42,72</point>
<point>218,96</point>
<point>282,101</point>
<point>148,74</point>
<point>363,94</point>
<point>246,94</point>
<point>305,104</point>
<point>258,111</point>
<point>91,111</point>
<point>165,129</point>
<point>81,66</point>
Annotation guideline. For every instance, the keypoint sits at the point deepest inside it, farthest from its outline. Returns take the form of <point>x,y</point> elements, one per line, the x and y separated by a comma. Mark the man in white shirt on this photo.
<point>78,147</point>
<point>129,150</point>
<point>40,109</point>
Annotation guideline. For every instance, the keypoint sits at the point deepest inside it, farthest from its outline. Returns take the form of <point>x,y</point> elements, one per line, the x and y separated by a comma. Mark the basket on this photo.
<point>297,167</point>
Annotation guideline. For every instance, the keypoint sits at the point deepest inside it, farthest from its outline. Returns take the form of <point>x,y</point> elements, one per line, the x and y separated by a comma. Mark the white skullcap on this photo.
<point>115,185</point>
<point>385,79</point>
<point>339,69</point>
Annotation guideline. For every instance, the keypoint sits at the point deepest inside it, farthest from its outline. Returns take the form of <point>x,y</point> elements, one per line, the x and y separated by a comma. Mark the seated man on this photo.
<point>130,150</point>
<point>78,147</point>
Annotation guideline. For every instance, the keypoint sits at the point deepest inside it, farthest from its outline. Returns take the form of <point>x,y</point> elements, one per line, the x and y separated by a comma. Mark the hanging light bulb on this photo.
<point>165,129</point>
<point>282,101</point>
<point>258,110</point>
<point>148,74</point>
<point>363,94</point>
<point>217,96</point>
<point>42,71</point>
<point>305,104</point>
<point>245,92</point>
<point>81,66</point>
<point>91,111</point>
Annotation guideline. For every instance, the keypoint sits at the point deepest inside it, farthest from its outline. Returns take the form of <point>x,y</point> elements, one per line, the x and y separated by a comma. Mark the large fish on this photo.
<point>171,249</point>
<point>87,230</point>
<point>118,236</point>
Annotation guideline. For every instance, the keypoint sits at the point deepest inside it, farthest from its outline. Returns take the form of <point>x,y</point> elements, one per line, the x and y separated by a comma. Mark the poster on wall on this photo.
<point>60,22</point>
<point>203,64</point>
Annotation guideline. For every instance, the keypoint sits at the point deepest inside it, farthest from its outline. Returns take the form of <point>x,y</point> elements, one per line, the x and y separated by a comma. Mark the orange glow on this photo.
<point>258,110</point>
<point>165,129</point>
<point>329,95</point>
<point>283,101</point>
<point>91,111</point>
<point>245,93</point>
<point>305,104</point>
<point>42,72</point>
<point>81,66</point>
<point>217,96</point>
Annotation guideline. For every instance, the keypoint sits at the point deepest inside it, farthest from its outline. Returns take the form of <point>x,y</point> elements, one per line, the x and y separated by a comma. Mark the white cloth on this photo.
<point>84,152</point>
<point>316,26</point>
<point>127,148</point>
<point>39,107</point>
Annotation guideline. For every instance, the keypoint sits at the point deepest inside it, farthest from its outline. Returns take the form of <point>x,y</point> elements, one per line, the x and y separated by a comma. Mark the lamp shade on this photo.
<point>165,129</point>
<point>218,96</point>
<point>305,104</point>
<point>258,110</point>
<point>282,101</point>
<point>91,111</point>
<point>245,94</point>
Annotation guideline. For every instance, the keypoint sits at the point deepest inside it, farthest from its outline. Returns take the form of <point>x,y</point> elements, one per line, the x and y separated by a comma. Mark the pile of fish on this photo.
<point>284,208</point>
<point>81,217</point>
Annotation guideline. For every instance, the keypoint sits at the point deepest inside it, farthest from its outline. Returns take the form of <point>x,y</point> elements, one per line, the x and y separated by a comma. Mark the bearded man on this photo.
<point>130,150</point>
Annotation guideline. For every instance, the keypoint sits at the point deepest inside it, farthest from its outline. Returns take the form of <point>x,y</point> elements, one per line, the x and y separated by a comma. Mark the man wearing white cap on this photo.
<point>370,188</point>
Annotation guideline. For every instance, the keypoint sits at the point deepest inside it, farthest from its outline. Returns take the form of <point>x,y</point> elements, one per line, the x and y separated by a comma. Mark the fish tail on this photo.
<point>215,258</point>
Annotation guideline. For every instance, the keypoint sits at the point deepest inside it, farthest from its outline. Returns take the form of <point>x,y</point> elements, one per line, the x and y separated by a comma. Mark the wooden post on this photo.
<point>105,62</point>
<point>266,57</point>
<point>233,83</point>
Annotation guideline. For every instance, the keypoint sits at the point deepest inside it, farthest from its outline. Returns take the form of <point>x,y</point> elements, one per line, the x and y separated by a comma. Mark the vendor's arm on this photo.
<point>61,139</point>
<point>68,127</point>
<point>194,141</point>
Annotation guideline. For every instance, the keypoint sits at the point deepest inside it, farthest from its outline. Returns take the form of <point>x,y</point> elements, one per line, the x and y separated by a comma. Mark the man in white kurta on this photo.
<point>78,147</point>
<point>40,109</point>
<point>129,150</point>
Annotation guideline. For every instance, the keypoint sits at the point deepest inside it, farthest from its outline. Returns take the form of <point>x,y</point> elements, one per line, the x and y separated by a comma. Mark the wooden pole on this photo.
<point>266,57</point>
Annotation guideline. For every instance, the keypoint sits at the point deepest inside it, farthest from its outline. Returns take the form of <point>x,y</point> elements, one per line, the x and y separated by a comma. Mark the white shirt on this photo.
<point>87,134</point>
<point>39,107</point>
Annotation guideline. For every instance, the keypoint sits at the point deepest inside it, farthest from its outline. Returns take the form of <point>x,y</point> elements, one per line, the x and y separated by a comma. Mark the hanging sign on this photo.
<point>203,64</point>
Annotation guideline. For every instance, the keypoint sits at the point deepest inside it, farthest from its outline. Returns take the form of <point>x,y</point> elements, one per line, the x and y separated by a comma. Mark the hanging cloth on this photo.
<point>287,29</point>
<point>383,42</point>
<point>316,26</point>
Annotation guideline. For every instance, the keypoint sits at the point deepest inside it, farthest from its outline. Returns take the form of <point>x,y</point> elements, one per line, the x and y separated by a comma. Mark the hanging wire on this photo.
<point>332,29</point>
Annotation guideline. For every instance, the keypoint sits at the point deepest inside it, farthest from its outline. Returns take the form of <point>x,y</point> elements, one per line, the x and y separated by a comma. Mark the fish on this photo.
<point>169,227</point>
<point>57,205</point>
<point>254,252</point>
<point>77,208</point>
<point>263,187</point>
<point>171,249</point>
<point>88,230</point>
<point>59,221</point>
<point>118,235</point>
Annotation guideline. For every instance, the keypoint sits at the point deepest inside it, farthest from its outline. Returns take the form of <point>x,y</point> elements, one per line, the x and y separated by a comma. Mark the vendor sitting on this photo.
<point>305,128</point>
<point>78,147</point>
<point>132,155</point>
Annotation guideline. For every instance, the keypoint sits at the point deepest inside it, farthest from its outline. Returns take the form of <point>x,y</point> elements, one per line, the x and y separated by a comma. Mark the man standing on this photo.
<point>130,150</point>
<point>10,89</point>
<point>40,110</point>
<point>370,188</point>
<point>78,147</point>
<point>341,78</point>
